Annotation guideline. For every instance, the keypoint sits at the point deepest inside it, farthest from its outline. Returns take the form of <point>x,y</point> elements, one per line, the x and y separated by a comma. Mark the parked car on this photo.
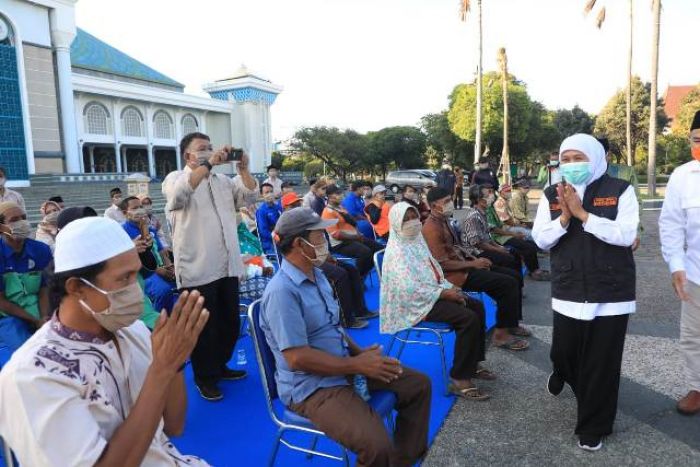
<point>418,178</point>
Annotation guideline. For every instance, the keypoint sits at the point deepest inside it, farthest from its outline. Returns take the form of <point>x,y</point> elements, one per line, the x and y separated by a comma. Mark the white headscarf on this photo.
<point>592,148</point>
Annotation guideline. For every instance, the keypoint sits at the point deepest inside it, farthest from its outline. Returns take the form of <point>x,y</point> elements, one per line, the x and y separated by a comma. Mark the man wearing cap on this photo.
<point>114,212</point>
<point>290,201</point>
<point>202,207</point>
<point>344,236</point>
<point>679,225</point>
<point>377,211</point>
<point>519,203</point>
<point>316,360</point>
<point>485,176</point>
<point>93,386</point>
<point>266,217</point>
<point>24,296</point>
<point>549,172</point>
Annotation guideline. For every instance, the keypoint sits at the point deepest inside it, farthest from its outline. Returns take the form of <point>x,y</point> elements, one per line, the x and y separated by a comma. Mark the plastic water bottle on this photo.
<point>361,388</point>
<point>241,360</point>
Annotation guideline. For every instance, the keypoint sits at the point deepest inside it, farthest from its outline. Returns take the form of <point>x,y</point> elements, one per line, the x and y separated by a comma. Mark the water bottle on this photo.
<point>241,360</point>
<point>361,388</point>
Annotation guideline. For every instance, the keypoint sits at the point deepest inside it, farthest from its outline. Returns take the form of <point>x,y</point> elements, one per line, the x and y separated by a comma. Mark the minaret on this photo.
<point>251,97</point>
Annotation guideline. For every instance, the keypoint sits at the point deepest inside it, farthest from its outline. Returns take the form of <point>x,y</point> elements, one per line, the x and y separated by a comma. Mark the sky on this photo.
<point>369,64</point>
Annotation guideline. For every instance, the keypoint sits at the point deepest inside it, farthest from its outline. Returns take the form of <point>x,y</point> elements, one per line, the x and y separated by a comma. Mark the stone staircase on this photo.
<point>80,190</point>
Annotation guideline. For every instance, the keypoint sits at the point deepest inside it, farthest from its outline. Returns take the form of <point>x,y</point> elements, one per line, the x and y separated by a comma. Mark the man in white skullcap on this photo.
<point>91,386</point>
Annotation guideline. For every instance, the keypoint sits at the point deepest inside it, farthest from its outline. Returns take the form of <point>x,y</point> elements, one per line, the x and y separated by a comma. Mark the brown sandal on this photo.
<point>514,344</point>
<point>472,393</point>
<point>486,375</point>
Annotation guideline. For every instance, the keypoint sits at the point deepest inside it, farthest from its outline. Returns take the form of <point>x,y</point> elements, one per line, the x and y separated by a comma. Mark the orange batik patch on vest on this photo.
<point>605,202</point>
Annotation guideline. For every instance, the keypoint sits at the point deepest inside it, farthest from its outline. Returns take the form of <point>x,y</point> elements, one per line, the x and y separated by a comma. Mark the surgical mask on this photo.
<point>136,215</point>
<point>2,181</point>
<point>148,208</point>
<point>483,166</point>
<point>448,209</point>
<point>576,173</point>
<point>411,229</point>
<point>204,156</point>
<point>116,201</point>
<point>269,197</point>
<point>20,229</point>
<point>411,196</point>
<point>553,164</point>
<point>321,252</point>
<point>695,152</point>
<point>490,199</point>
<point>506,194</point>
<point>273,174</point>
<point>125,306</point>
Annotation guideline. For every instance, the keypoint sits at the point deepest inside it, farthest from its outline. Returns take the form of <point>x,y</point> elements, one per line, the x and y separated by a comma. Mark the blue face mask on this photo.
<point>576,172</point>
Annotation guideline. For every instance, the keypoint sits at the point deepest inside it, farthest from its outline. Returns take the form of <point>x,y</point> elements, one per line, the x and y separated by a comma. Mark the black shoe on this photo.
<point>555,384</point>
<point>357,324</point>
<point>368,315</point>
<point>227,374</point>
<point>209,391</point>
<point>590,443</point>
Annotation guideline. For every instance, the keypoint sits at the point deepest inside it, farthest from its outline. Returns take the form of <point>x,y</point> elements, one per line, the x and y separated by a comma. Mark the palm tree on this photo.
<point>651,160</point>
<point>464,7</point>
<point>600,19</point>
<point>505,157</point>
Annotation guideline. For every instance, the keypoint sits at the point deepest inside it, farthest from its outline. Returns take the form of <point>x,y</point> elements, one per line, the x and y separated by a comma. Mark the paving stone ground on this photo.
<point>523,425</point>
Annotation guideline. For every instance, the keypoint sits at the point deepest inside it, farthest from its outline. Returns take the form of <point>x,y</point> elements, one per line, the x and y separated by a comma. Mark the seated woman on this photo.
<point>258,268</point>
<point>377,211</point>
<point>409,296</point>
<point>46,230</point>
<point>413,197</point>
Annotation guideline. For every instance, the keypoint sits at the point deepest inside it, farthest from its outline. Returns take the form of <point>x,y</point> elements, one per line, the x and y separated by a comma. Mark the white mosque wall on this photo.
<point>30,20</point>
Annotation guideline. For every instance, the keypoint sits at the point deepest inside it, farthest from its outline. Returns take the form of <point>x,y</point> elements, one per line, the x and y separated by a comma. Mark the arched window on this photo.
<point>132,122</point>
<point>162,125</point>
<point>96,119</point>
<point>189,124</point>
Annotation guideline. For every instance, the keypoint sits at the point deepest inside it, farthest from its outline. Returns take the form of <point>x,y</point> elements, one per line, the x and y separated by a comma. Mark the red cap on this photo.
<point>288,199</point>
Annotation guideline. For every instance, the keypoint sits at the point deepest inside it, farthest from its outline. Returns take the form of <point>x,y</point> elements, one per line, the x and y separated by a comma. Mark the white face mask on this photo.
<point>148,208</point>
<point>448,209</point>
<point>20,229</point>
<point>125,306</point>
<point>490,199</point>
<point>411,229</point>
<point>273,174</point>
<point>321,252</point>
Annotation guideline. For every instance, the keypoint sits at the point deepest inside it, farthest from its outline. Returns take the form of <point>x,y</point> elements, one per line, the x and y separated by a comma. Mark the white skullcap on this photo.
<point>89,241</point>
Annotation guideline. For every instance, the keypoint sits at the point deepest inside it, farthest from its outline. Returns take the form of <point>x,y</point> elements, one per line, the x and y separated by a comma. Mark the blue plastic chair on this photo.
<point>413,335</point>
<point>383,402</point>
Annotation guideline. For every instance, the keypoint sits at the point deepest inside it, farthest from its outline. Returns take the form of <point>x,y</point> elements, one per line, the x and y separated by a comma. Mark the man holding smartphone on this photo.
<point>201,207</point>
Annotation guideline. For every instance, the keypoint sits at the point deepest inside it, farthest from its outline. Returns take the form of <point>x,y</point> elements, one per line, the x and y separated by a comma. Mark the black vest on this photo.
<point>584,268</point>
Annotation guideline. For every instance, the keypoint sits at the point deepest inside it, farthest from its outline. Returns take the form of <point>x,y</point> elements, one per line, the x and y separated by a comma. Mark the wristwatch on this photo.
<point>206,164</point>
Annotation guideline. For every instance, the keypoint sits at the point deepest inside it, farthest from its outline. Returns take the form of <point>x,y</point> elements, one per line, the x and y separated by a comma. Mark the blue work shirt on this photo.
<point>34,257</point>
<point>133,230</point>
<point>266,217</point>
<point>354,205</point>
<point>297,312</point>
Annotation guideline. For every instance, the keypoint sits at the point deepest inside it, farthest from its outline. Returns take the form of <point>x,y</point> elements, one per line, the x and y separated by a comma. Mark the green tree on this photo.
<point>400,146</point>
<point>441,138</point>
<point>611,122</point>
<point>571,121</point>
<point>689,105</point>
<point>343,151</point>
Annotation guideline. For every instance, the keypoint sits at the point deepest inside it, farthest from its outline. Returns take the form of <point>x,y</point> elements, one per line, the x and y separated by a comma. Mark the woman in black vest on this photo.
<point>589,222</point>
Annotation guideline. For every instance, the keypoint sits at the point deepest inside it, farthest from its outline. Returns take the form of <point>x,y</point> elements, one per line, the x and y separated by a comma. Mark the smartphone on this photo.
<point>234,155</point>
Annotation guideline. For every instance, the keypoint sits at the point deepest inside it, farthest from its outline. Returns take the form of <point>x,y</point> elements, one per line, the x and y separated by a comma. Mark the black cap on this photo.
<point>696,121</point>
<point>69,215</point>
<point>56,199</point>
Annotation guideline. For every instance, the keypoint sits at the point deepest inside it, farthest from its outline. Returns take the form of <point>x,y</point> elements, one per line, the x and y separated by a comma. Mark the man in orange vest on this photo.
<point>377,211</point>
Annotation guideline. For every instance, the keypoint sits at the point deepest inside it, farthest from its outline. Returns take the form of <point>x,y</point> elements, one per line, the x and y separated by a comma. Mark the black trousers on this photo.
<point>218,338</point>
<point>362,251</point>
<point>347,283</point>
<point>527,249</point>
<point>505,260</point>
<point>502,286</point>
<point>459,197</point>
<point>588,356</point>
<point>468,323</point>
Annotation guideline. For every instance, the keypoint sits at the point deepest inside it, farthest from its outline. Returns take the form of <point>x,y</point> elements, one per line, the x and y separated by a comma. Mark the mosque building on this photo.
<point>72,104</point>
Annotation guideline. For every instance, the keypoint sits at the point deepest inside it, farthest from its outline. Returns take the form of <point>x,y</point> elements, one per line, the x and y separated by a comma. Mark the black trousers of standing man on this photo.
<point>218,338</point>
<point>502,287</point>
<point>588,356</point>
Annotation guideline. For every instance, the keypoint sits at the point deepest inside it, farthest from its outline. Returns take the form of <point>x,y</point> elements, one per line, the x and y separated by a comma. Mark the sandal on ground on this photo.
<point>520,332</point>
<point>486,375</point>
<point>472,393</point>
<point>514,344</point>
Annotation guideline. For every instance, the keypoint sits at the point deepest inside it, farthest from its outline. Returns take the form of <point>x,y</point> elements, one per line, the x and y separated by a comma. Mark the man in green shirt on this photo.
<point>627,173</point>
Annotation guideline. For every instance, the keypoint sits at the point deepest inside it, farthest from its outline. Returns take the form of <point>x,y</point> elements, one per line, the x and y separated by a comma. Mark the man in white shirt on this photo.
<point>6,194</point>
<point>93,386</point>
<point>272,178</point>
<point>679,225</point>
<point>201,207</point>
<point>114,212</point>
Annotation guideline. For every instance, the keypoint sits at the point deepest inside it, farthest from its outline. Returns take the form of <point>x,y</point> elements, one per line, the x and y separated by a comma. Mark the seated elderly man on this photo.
<point>475,274</point>
<point>519,203</point>
<point>24,296</point>
<point>502,209</point>
<point>316,360</point>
